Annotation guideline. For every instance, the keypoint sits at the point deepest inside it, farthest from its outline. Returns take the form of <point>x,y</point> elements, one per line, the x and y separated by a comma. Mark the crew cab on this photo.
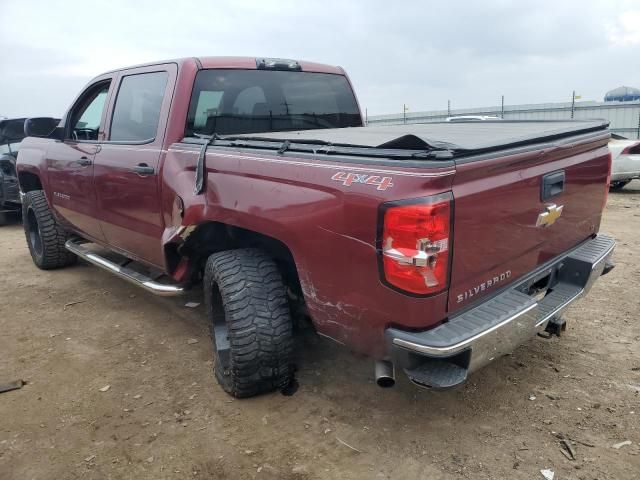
<point>432,248</point>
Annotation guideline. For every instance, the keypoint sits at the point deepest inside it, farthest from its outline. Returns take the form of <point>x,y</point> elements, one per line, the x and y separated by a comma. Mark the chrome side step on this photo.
<point>163,289</point>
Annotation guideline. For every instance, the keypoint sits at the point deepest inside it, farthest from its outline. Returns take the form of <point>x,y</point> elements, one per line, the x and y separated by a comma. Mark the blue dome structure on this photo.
<point>622,94</point>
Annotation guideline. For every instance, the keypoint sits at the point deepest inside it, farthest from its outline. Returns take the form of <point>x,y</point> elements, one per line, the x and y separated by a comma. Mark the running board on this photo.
<point>137,278</point>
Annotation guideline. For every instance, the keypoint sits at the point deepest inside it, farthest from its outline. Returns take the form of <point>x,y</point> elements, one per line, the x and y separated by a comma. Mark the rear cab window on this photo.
<point>232,102</point>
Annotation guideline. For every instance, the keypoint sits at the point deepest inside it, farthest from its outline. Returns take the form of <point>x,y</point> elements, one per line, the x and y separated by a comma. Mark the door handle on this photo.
<point>84,162</point>
<point>552,185</point>
<point>143,169</point>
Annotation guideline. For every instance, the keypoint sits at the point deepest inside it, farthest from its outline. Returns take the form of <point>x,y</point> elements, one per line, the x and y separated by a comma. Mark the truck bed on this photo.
<point>499,171</point>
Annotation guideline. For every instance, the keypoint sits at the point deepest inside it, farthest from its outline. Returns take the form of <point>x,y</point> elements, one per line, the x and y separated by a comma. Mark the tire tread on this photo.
<point>258,321</point>
<point>53,236</point>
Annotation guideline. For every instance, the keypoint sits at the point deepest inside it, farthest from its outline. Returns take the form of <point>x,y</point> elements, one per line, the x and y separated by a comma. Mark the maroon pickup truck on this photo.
<point>433,248</point>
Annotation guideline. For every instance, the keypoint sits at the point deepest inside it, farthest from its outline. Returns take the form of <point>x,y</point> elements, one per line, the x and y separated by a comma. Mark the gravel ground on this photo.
<point>119,385</point>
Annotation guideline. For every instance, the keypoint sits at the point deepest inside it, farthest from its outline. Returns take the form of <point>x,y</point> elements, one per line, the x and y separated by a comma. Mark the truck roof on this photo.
<point>244,63</point>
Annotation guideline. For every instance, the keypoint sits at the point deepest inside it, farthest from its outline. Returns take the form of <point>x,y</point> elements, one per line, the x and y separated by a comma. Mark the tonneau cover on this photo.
<point>454,136</point>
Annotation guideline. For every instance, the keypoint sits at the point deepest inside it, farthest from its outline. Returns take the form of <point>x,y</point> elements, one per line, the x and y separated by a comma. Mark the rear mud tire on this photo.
<point>250,322</point>
<point>45,237</point>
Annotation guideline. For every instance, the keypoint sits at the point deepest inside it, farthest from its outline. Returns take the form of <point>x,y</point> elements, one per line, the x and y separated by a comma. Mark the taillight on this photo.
<point>415,244</point>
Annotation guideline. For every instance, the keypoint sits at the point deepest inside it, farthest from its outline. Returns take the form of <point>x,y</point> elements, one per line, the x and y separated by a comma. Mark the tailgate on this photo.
<point>499,232</point>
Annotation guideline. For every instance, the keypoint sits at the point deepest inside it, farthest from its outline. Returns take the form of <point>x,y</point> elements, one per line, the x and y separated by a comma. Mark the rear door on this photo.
<point>70,162</point>
<point>506,223</point>
<point>127,166</point>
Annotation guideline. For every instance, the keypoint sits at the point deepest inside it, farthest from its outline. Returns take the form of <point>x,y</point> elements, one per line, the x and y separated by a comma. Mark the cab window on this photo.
<point>137,109</point>
<point>87,114</point>
<point>230,102</point>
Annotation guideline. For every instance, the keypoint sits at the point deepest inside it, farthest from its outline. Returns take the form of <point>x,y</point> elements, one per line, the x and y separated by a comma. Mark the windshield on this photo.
<point>230,102</point>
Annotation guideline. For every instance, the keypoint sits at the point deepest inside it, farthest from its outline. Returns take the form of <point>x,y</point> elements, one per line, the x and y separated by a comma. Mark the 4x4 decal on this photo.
<point>348,179</point>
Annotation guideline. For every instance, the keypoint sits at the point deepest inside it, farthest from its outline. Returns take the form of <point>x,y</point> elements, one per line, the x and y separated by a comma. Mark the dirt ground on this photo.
<point>71,333</point>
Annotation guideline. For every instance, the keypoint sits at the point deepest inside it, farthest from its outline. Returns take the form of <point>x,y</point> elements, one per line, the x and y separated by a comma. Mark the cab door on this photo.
<point>126,171</point>
<point>70,161</point>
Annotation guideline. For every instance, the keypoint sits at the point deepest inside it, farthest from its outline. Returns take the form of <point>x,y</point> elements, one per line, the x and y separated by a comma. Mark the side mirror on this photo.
<point>45,127</point>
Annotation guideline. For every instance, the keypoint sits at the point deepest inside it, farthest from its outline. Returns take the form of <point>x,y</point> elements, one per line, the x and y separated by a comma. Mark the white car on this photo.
<point>625,166</point>
<point>472,118</point>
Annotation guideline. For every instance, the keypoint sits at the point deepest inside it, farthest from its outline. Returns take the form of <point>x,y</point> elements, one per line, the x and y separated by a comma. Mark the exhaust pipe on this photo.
<point>385,374</point>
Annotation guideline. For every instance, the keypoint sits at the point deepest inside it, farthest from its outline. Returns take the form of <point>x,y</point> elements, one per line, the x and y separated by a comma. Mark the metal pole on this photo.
<point>502,108</point>
<point>638,135</point>
<point>448,108</point>
<point>404,113</point>
<point>366,116</point>
<point>573,103</point>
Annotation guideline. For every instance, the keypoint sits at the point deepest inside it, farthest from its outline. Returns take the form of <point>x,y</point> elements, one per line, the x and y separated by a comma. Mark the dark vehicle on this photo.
<point>434,248</point>
<point>11,135</point>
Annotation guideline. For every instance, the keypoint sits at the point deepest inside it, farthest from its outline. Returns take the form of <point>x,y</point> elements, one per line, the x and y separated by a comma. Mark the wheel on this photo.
<point>45,237</point>
<point>618,184</point>
<point>250,322</point>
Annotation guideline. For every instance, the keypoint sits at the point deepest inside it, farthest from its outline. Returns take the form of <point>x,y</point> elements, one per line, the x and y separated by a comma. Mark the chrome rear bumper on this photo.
<point>443,356</point>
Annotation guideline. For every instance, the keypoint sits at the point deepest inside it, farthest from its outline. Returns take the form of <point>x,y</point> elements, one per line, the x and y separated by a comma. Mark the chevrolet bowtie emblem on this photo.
<point>549,216</point>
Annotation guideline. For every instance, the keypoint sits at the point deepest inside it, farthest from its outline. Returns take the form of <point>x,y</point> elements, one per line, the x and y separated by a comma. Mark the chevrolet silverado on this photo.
<point>432,248</point>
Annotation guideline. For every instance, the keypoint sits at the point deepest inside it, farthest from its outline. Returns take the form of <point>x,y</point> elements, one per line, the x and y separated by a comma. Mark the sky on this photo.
<point>418,53</point>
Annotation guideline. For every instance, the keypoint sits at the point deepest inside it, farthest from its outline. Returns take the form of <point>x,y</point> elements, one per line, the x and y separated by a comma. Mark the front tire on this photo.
<point>45,237</point>
<point>250,322</point>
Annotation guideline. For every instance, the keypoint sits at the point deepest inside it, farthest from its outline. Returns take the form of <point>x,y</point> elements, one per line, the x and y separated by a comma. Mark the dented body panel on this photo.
<point>329,228</point>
